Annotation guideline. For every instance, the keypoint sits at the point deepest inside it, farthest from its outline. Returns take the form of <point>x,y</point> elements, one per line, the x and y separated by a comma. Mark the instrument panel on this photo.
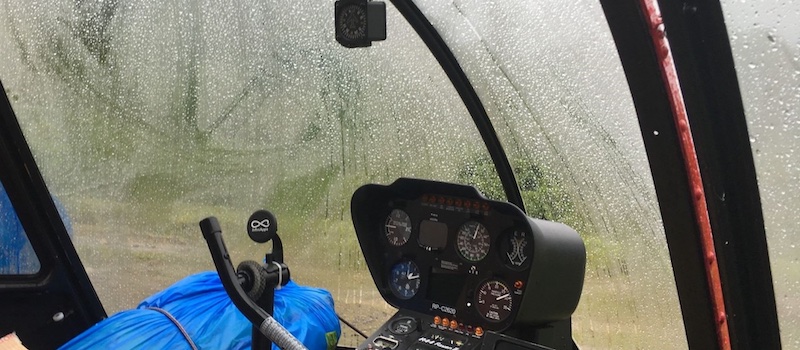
<point>462,263</point>
<point>461,257</point>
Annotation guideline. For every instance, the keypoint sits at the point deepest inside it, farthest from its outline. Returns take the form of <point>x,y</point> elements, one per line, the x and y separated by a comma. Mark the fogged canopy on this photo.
<point>146,117</point>
<point>558,96</point>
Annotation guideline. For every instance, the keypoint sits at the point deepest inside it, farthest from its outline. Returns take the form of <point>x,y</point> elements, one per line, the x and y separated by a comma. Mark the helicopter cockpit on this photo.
<point>448,175</point>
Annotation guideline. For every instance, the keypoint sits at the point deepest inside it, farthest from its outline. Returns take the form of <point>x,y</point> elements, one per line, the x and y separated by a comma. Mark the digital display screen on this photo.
<point>433,234</point>
<point>444,286</point>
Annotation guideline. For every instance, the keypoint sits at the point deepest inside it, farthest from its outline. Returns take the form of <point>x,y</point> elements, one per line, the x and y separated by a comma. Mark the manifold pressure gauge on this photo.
<point>494,301</point>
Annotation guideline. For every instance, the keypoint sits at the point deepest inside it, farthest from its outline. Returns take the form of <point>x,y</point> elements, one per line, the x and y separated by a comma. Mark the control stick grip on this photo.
<point>230,281</point>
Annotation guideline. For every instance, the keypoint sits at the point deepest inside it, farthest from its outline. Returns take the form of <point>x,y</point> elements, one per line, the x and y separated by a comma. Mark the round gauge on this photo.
<point>473,241</point>
<point>404,279</point>
<point>516,249</point>
<point>353,22</point>
<point>494,301</point>
<point>398,227</point>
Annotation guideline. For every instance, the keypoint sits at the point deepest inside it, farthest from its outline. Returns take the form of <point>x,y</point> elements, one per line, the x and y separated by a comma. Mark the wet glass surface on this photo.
<point>557,95</point>
<point>147,117</point>
<point>765,40</point>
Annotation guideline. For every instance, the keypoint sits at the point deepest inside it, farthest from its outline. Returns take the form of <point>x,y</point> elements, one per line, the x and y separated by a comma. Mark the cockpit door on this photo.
<point>46,297</point>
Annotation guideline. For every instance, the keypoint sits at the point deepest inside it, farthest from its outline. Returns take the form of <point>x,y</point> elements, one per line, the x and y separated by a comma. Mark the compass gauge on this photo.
<point>352,22</point>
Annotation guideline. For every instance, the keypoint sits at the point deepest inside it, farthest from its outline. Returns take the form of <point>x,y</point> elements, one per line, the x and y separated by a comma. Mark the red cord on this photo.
<point>670,77</point>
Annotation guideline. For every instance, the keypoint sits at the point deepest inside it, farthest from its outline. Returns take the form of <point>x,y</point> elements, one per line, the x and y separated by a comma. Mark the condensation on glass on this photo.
<point>146,117</point>
<point>765,40</point>
<point>551,81</point>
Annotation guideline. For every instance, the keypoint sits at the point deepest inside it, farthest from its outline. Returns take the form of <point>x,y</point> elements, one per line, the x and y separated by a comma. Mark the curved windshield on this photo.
<point>765,41</point>
<point>553,85</point>
<point>146,117</point>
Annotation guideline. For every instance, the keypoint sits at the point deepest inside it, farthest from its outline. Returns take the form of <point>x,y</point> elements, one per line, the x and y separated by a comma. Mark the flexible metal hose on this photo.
<point>279,335</point>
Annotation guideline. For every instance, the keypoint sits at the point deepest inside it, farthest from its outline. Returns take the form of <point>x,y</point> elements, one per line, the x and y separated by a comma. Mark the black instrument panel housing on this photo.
<point>544,276</point>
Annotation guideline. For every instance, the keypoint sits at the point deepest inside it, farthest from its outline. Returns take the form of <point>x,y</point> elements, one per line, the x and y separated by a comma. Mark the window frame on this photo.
<point>61,285</point>
<point>702,54</point>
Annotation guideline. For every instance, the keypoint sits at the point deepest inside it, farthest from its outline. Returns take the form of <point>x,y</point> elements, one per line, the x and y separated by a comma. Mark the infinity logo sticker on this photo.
<point>260,226</point>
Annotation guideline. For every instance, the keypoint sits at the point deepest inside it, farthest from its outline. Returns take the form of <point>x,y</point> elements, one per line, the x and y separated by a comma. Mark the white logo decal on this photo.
<point>260,226</point>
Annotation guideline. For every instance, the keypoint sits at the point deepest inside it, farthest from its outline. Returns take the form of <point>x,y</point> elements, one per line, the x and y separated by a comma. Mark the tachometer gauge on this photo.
<point>398,227</point>
<point>494,301</point>
<point>404,279</point>
<point>473,241</point>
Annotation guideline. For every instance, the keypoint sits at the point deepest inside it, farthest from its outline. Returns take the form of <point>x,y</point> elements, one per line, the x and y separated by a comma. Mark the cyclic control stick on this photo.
<point>268,326</point>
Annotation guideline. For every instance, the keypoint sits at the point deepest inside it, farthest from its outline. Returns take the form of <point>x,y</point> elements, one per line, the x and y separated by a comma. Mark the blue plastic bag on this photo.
<point>206,313</point>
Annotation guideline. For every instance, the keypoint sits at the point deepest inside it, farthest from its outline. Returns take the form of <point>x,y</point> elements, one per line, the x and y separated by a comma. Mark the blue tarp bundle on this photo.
<point>201,306</point>
<point>197,303</point>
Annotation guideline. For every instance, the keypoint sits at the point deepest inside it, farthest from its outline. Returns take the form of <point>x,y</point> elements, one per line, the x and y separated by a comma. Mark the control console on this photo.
<point>460,267</point>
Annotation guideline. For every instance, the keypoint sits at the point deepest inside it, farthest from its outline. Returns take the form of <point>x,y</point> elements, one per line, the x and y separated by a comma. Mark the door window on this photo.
<point>765,40</point>
<point>16,254</point>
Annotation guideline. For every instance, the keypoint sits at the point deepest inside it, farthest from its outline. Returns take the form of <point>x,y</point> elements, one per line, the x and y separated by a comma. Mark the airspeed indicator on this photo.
<point>398,228</point>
